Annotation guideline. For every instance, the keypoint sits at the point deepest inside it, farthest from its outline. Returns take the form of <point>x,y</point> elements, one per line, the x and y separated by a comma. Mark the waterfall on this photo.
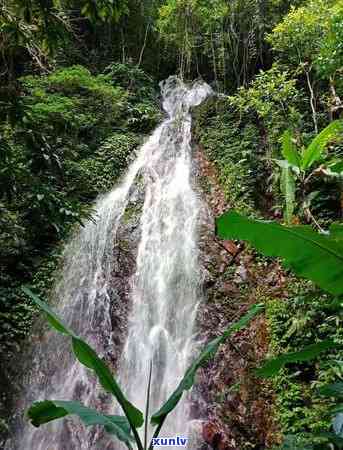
<point>165,289</point>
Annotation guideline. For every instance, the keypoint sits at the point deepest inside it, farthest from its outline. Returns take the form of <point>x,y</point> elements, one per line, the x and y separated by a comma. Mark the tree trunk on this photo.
<point>143,46</point>
<point>312,99</point>
<point>336,102</point>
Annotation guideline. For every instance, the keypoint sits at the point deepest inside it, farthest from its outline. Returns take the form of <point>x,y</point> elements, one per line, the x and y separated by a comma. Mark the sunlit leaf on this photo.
<point>46,411</point>
<point>287,184</point>
<point>332,438</point>
<point>291,442</point>
<point>309,254</point>
<point>315,150</point>
<point>289,149</point>
<point>336,231</point>
<point>335,166</point>
<point>52,318</point>
<point>332,390</point>
<point>337,409</point>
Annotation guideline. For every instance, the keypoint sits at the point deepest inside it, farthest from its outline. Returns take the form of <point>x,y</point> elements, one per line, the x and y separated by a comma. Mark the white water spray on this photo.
<point>165,289</point>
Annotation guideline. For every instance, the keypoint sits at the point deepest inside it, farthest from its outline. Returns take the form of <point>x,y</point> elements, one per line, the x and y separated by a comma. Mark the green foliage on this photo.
<point>294,443</point>
<point>316,148</point>
<point>294,170</point>
<point>97,172</point>
<point>309,254</point>
<point>231,145</point>
<point>226,38</point>
<point>332,390</point>
<point>299,35</point>
<point>189,25</point>
<point>311,36</point>
<point>48,410</point>
<point>307,316</point>
<point>287,186</point>
<point>67,135</point>
<point>273,366</point>
<point>31,28</point>
<point>133,79</point>
<point>143,113</point>
<point>64,151</point>
<point>330,59</point>
<point>307,46</point>
<point>104,10</point>
<point>301,250</point>
<point>16,316</point>
<point>323,441</point>
<point>308,41</point>
<point>73,100</point>
<point>289,149</point>
<point>56,130</point>
<point>273,101</point>
<point>274,98</point>
<point>71,140</point>
<point>35,31</point>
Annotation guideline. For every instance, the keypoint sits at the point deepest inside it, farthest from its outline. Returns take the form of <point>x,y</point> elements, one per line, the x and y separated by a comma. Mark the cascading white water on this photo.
<point>166,284</point>
<point>165,288</point>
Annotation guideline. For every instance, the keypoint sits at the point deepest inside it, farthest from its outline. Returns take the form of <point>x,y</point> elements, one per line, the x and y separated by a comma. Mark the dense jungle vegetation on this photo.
<point>78,94</point>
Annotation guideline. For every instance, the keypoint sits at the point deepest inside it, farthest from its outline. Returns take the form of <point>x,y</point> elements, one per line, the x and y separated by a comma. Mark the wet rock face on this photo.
<point>124,254</point>
<point>234,406</point>
<point>125,248</point>
<point>215,437</point>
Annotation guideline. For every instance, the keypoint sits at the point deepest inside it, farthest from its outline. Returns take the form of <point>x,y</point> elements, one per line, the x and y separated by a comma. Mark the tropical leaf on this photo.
<point>287,184</point>
<point>88,357</point>
<point>273,366</point>
<point>332,438</point>
<point>332,390</point>
<point>336,231</point>
<point>335,166</point>
<point>46,411</point>
<point>311,255</point>
<point>52,318</point>
<point>291,442</point>
<point>314,151</point>
<point>307,202</point>
<point>209,351</point>
<point>305,442</point>
<point>337,409</point>
<point>289,149</point>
